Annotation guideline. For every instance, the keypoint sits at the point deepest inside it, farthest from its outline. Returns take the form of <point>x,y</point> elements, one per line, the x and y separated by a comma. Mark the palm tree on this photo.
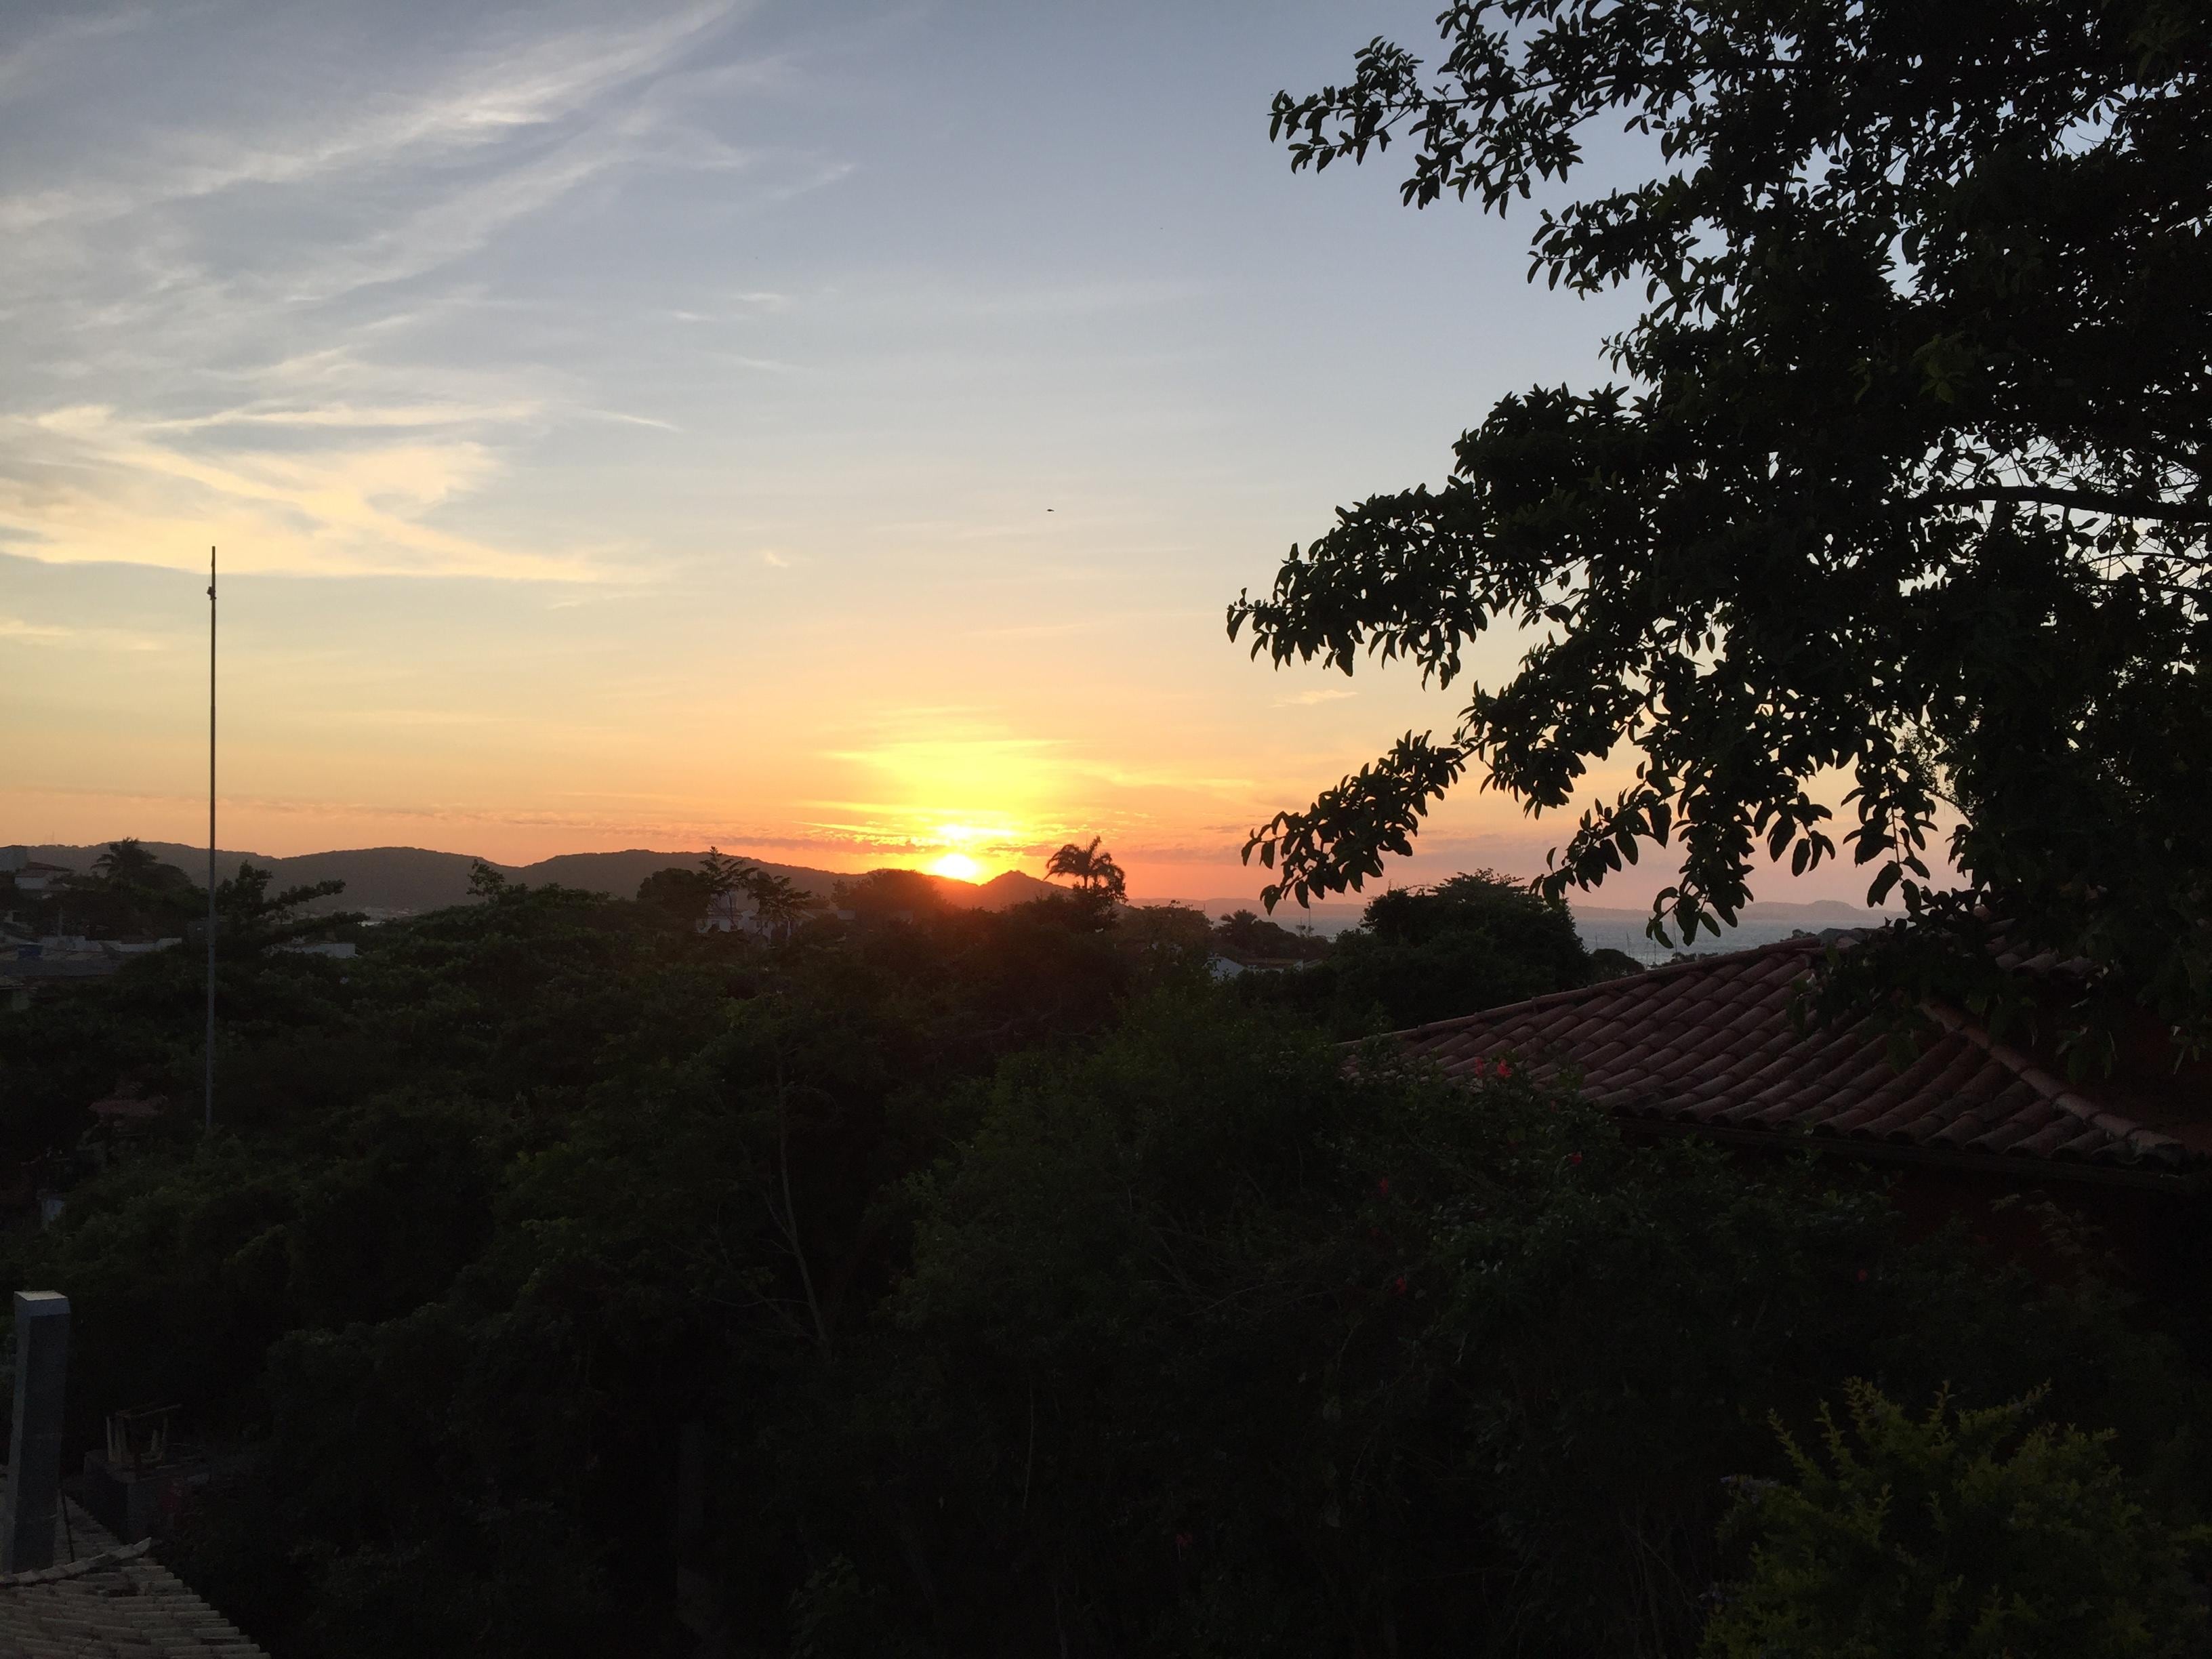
<point>1093,869</point>
<point>125,861</point>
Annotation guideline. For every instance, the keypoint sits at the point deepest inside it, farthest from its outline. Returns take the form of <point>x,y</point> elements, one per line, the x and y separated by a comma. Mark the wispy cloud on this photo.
<point>620,418</point>
<point>85,483</point>
<point>58,634</point>
<point>503,88</point>
<point>262,318</point>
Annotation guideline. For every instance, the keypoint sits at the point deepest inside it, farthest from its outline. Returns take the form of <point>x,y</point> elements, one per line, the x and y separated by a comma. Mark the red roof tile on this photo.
<point>1709,1046</point>
<point>103,1599</point>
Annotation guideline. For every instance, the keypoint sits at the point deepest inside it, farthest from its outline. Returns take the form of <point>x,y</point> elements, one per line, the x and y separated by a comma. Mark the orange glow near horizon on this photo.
<point>958,866</point>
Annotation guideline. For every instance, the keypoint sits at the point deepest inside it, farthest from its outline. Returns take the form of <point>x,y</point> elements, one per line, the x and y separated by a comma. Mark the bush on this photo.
<point>1473,942</point>
<point>1211,1346</point>
<point>1968,1535</point>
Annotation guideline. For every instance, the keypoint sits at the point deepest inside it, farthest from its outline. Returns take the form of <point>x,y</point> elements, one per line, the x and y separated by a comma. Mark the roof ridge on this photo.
<point>108,1558</point>
<point>1801,943</point>
<point>1709,1044</point>
<point>2055,1088</point>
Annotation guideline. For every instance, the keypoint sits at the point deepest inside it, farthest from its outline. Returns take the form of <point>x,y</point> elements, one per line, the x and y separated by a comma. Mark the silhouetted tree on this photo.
<point>488,882</point>
<point>724,874</point>
<point>1908,478</point>
<point>778,901</point>
<point>1246,933</point>
<point>251,919</point>
<point>682,894</point>
<point>1092,869</point>
<point>125,861</point>
<point>132,890</point>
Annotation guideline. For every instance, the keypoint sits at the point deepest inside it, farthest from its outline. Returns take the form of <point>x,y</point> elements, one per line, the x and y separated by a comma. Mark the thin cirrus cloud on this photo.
<point>232,323</point>
<point>86,484</point>
<point>503,91</point>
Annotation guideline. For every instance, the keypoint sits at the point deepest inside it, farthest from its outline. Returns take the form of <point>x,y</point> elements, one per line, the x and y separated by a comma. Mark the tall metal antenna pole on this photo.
<point>208,1094</point>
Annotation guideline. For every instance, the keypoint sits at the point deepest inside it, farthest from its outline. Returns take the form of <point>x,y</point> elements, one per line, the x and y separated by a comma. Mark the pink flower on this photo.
<point>1382,1187</point>
<point>1574,1158</point>
<point>1398,1285</point>
<point>1505,1069</point>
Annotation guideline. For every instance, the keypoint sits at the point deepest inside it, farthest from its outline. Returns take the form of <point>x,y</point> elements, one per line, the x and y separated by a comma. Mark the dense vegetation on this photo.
<point>1015,1285</point>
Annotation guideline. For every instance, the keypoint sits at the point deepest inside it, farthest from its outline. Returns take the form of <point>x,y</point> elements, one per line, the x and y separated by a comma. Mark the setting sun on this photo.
<point>958,866</point>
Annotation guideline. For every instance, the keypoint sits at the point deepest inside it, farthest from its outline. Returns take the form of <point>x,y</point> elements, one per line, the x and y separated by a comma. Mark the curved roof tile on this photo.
<point>1710,1043</point>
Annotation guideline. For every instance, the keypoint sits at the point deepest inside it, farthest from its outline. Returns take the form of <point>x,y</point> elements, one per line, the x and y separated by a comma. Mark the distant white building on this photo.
<point>727,913</point>
<point>32,875</point>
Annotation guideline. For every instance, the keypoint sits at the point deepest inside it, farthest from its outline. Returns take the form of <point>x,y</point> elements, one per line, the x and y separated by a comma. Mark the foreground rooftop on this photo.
<point>1709,1047</point>
<point>104,1600</point>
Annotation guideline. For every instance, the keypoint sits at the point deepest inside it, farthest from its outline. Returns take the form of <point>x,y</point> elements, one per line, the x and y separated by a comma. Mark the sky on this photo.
<point>833,432</point>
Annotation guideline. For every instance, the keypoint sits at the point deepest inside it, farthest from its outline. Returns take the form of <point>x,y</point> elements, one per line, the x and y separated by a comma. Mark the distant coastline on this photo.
<point>398,881</point>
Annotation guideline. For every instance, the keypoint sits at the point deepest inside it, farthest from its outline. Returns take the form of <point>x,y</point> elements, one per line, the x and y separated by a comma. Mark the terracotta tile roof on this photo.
<point>1709,1046</point>
<point>112,1601</point>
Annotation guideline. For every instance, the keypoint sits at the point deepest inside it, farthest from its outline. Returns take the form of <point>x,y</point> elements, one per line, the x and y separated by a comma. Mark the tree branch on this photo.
<point>2087,500</point>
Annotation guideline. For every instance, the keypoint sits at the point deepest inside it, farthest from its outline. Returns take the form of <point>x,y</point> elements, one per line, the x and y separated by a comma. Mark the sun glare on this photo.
<point>958,866</point>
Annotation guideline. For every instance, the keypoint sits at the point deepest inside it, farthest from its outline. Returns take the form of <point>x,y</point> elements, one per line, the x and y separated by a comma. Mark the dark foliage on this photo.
<point>1958,1534</point>
<point>494,1207</point>
<point>679,894</point>
<point>1906,478</point>
<point>1475,941</point>
<point>1247,936</point>
<point>1345,1365</point>
<point>1021,1289</point>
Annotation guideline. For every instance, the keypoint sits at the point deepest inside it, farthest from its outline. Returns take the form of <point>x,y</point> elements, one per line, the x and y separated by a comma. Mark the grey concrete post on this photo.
<point>32,1513</point>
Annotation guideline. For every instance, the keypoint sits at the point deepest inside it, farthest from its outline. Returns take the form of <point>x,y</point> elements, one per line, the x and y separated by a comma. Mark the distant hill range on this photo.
<point>387,881</point>
<point>403,880</point>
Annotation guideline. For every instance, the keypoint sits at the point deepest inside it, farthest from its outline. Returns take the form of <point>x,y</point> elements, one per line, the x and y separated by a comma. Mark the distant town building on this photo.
<point>726,914</point>
<point>32,875</point>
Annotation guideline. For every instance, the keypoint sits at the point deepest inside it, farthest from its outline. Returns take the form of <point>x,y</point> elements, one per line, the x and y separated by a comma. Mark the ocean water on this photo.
<point>1762,924</point>
<point>1603,928</point>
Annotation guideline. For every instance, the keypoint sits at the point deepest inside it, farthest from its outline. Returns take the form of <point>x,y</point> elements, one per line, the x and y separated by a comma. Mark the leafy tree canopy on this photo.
<point>891,892</point>
<point>1906,476</point>
<point>779,903</point>
<point>1350,1362</point>
<point>1030,1289</point>
<point>1245,933</point>
<point>128,890</point>
<point>682,895</point>
<point>251,917</point>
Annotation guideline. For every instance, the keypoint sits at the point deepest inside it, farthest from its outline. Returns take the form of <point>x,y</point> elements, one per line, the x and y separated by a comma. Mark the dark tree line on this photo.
<point>1011,1285</point>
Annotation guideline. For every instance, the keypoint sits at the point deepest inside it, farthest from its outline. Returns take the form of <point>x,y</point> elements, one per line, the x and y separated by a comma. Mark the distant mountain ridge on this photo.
<point>405,880</point>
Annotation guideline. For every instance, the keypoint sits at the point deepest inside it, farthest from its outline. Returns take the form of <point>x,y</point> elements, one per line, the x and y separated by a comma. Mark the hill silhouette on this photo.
<point>404,880</point>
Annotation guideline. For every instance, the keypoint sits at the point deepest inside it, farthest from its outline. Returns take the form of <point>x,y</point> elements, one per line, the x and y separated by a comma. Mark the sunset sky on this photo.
<point>833,431</point>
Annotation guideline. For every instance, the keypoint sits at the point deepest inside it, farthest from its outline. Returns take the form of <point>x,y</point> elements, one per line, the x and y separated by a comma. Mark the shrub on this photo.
<point>1967,1534</point>
<point>1211,1345</point>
